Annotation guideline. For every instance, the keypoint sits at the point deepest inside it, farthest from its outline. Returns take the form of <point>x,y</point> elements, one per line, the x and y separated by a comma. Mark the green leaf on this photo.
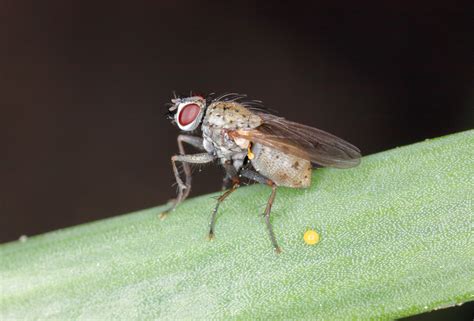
<point>395,232</point>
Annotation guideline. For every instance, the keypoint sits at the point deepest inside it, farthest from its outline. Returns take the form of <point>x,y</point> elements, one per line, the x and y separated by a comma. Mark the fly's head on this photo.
<point>187,112</point>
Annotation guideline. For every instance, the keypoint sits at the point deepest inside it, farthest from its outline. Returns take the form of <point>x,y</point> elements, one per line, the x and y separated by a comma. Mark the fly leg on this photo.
<point>195,142</point>
<point>225,182</point>
<point>231,174</point>
<point>263,180</point>
<point>186,160</point>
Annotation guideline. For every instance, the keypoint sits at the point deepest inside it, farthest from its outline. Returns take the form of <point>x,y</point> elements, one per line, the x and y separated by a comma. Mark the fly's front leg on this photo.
<point>195,142</point>
<point>191,140</point>
<point>263,180</point>
<point>182,193</point>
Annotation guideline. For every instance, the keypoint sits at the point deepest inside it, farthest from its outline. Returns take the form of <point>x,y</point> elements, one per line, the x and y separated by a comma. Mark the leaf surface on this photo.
<point>396,240</point>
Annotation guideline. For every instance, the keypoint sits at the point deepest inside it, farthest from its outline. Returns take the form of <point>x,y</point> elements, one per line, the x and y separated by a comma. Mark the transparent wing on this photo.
<point>302,141</point>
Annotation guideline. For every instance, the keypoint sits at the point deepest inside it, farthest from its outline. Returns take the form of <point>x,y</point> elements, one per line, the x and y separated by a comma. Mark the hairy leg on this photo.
<point>202,158</point>
<point>231,176</point>
<point>195,142</point>
<point>214,213</point>
<point>255,176</point>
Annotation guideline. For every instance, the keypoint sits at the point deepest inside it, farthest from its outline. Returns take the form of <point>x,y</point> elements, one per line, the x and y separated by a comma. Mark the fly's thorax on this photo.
<point>231,115</point>
<point>219,119</point>
<point>283,169</point>
<point>217,142</point>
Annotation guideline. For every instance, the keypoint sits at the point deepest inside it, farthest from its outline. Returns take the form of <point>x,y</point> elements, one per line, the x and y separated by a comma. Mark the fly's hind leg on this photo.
<point>263,180</point>
<point>231,175</point>
<point>183,188</point>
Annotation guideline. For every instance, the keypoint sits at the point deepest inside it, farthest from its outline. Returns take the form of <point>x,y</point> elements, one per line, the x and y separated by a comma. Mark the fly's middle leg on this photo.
<point>183,188</point>
<point>231,175</point>
<point>214,212</point>
<point>263,180</point>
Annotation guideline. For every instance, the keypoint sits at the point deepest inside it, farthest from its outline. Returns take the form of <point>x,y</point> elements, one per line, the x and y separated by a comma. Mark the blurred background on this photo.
<point>83,135</point>
<point>84,88</point>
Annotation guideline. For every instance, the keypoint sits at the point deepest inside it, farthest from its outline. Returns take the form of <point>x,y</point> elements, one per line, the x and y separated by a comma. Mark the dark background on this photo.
<point>83,88</point>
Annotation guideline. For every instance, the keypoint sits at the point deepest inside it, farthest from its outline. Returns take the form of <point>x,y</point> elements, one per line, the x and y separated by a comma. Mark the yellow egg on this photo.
<point>311,237</point>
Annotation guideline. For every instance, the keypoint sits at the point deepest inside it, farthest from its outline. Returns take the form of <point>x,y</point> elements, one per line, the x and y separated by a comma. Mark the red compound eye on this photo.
<point>188,114</point>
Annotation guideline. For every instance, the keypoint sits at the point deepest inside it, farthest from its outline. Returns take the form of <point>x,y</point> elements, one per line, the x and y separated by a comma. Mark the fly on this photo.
<point>250,142</point>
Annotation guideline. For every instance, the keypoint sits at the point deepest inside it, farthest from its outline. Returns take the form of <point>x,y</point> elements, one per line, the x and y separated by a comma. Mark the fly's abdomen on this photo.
<point>283,169</point>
